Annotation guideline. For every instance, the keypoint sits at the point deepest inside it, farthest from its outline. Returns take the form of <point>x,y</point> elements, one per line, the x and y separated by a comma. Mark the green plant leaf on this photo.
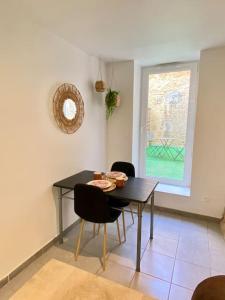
<point>110,101</point>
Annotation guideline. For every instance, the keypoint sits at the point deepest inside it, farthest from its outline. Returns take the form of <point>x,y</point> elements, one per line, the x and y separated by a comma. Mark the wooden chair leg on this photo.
<point>118,230</point>
<point>79,238</point>
<point>104,247</point>
<point>124,226</point>
<point>93,229</point>
<point>132,214</point>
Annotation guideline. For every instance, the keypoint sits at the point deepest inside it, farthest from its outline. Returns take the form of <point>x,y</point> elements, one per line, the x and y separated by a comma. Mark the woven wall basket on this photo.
<point>69,92</point>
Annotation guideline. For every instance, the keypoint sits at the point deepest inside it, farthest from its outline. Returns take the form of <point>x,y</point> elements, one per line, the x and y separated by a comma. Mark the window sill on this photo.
<point>173,189</point>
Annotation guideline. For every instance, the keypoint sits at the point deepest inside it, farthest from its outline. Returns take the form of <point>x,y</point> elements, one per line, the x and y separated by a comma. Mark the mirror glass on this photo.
<point>69,109</point>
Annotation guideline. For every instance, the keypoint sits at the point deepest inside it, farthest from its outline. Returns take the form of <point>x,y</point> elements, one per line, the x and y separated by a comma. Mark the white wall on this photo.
<point>136,116</point>
<point>208,170</point>
<point>119,125</point>
<point>208,178</point>
<point>34,153</point>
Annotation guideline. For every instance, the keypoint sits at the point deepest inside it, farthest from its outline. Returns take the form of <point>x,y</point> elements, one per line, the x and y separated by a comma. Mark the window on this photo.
<point>167,122</point>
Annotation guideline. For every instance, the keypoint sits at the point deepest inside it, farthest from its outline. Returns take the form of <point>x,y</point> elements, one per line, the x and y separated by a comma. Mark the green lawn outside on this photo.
<point>165,162</point>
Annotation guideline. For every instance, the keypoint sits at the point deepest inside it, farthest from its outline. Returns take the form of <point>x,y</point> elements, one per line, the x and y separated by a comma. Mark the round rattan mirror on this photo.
<point>68,108</point>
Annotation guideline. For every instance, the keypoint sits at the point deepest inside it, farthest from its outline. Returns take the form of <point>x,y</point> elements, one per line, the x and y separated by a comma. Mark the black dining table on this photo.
<point>136,190</point>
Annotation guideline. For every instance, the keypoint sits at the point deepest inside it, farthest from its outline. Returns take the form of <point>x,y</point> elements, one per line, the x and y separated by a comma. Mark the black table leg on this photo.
<point>152,216</point>
<point>60,217</point>
<point>138,259</point>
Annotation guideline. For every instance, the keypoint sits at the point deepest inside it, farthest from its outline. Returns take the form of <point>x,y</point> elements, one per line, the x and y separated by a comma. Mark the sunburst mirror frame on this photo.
<point>64,92</point>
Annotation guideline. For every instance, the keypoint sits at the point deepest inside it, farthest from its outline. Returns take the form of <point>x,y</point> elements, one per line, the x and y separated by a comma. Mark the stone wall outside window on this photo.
<point>168,106</point>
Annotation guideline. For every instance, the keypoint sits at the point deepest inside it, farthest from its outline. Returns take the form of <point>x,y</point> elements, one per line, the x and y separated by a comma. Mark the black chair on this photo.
<point>129,170</point>
<point>91,204</point>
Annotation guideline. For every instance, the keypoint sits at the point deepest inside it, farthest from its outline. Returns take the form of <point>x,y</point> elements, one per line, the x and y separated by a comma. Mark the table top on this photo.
<point>59,281</point>
<point>136,189</point>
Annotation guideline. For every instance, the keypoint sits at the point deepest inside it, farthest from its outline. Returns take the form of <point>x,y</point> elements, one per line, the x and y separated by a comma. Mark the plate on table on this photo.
<point>115,174</point>
<point>102,184</point>
<point>111,188</point>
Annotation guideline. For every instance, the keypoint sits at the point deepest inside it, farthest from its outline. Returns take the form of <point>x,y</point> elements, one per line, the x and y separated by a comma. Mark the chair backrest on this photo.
<point>91,204</point>
<point>125,167</point>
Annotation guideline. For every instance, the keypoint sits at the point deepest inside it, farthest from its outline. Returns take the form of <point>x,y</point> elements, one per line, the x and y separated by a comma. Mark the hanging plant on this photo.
<point>100,85</point>
<point>112,100</point>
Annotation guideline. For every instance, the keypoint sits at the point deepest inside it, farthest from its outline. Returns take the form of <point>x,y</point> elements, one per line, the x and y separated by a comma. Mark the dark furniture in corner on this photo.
<point>136,190</point>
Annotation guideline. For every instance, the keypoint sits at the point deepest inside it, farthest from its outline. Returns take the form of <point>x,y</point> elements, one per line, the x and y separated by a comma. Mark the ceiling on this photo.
<point>151,31</point>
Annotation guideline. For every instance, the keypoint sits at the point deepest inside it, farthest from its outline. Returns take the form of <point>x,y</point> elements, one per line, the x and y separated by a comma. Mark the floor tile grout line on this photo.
<point>156,277</point>
<point>180,259</point>
<point>110,251</point>
<point>191,263</point>
<point>121,265</point>
<point>186,288</point>
<point>108,258</point>
<point>129,285</point>
<point>175,258</point>
<point>163,254</point>
<point>141,259</point>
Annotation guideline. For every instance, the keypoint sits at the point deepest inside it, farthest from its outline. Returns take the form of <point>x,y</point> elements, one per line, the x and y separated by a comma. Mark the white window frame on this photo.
<point>193,67</point>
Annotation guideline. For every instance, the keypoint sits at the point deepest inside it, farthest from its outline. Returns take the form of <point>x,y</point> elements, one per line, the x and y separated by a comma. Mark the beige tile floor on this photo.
<point>184,252</point>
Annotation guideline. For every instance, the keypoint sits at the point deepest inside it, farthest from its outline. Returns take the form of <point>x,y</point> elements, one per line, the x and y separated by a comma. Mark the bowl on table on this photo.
<point>115,174</point>
<point>102,183</point>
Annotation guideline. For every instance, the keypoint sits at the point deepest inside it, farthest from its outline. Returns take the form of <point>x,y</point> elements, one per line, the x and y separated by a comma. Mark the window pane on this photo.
<point>168,99</point>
